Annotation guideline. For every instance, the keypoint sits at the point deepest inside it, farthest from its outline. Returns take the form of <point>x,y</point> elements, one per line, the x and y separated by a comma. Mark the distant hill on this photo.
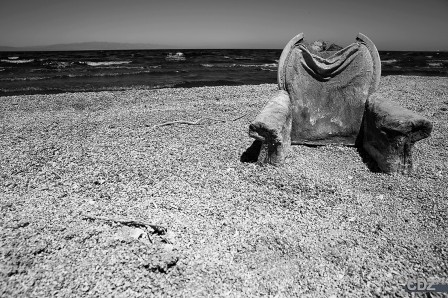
<point>85,46</point>
<point>7,49</point>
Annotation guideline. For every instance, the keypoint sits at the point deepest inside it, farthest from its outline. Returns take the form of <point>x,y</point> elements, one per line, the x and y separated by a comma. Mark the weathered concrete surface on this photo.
<point>390,132</point>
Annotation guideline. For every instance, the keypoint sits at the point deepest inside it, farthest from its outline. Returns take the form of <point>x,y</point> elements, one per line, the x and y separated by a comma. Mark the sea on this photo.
<point>78,71</point>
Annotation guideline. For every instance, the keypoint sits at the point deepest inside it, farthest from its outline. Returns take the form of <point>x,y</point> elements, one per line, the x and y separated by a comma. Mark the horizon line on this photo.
<point>147,46</point>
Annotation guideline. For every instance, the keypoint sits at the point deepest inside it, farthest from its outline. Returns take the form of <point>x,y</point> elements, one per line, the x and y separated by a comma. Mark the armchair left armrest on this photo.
<point>272,127</point>
<point>390,132</point>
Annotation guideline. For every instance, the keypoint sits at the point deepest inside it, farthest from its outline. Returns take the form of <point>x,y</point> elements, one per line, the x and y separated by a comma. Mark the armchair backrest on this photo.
<point>328,95</point>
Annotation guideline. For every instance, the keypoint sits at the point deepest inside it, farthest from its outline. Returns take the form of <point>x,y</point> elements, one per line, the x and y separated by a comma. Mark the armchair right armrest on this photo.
<point>390,132</point>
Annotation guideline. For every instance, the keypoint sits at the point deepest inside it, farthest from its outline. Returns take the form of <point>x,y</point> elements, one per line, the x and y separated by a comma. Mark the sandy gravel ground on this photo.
<point>321,226</point>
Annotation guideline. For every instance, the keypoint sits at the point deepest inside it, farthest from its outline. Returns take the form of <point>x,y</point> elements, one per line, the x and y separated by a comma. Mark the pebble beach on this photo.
<point>84,176</point>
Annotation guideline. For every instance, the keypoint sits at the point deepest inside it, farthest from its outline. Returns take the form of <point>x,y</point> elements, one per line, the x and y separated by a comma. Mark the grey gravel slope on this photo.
<point>322,225</point>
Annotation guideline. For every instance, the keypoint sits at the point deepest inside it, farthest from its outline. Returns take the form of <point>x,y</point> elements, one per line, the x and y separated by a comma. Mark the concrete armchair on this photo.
<point>328,98</point>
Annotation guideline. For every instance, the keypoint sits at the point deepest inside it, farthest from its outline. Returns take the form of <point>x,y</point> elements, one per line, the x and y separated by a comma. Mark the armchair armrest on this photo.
<point>390,132</point>
<point>273,128</point>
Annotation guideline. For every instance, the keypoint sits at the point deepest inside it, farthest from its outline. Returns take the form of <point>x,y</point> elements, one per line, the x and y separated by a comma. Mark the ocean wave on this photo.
<point>104,63</point>
<point>91,75</point>
<point>13,57</point>
<point>24,79</point>
<point>243,58</point>
<point>17,61</point>
<point>435,64</point>
<point>440,60</point>
<point>190,84</point>
<point>265,65</point>
<point>38,69</point>
<point>21,90</point>
<point>55,90</point>
<point>258,65</point>
<point>261,66</point>
<point>57,64</point>
<point>117,74</point>
<point>126,67</point>
<point>179,56</point>
<point>390,61</point>
<point>105,74</point>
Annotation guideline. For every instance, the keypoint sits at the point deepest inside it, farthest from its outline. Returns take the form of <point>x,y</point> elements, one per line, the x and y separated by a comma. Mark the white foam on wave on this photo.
<point>390,61</point>
<point>244,58</point>
<point>270,65</point>
<point>109,74</point>
<point>179,56</point>
<point>23,79</point>
<point>104,63</point>
<point>266,66</point>
<point>16,61</point>
<point>435,64</point>
<point>116,74</point>
<point>257,65</point>
<point>57,64</point>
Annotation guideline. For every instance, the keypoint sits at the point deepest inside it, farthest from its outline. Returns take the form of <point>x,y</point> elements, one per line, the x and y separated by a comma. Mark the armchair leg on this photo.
<point>395,157</point>
<point>275,153</point>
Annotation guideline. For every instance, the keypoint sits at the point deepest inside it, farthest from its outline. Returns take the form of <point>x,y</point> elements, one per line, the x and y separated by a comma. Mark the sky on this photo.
<point>390,24</point>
